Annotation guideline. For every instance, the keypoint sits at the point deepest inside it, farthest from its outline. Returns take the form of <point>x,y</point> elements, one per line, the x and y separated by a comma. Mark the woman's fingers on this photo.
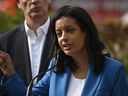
<point>2,63</point>
<point>6,64</point>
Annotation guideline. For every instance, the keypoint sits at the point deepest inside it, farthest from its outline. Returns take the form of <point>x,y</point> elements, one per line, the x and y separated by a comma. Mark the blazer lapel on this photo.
<point>91,82</point>
<point>22,53</point>
<point>63,83</point>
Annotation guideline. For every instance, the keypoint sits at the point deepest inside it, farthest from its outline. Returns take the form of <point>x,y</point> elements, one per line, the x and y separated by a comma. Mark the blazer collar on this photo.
<point>20,52</point>
<point>91,82</point>
<point>90,86</point>
<point>62,83</point>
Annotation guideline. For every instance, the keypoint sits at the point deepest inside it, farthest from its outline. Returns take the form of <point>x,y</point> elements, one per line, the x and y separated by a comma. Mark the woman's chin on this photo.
<point>69,53</point>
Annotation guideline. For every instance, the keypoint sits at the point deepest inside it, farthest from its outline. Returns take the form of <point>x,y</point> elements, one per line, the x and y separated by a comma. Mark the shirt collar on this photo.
<point>44,27</point>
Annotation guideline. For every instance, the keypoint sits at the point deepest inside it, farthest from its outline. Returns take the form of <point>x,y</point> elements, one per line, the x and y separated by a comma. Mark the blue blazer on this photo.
<point>111,82</point>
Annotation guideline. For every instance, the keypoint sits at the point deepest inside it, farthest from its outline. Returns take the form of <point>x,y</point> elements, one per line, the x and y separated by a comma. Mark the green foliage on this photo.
<point>8,22</point>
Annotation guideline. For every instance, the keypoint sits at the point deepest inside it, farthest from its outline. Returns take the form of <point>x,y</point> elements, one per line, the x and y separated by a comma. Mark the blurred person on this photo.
<point>29,45</point>
<point>124,19</point>
<point>82,69</point>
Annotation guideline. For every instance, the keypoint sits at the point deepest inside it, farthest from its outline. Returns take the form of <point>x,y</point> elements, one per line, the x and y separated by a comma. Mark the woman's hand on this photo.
<point>6,64</point>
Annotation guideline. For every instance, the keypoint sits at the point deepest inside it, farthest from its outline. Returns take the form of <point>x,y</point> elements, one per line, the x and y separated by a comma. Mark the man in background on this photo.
<point>30,44</point>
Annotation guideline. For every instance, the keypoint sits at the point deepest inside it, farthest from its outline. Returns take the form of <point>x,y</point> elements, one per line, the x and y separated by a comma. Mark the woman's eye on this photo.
<point>71,30</point>
<point>58,33</point>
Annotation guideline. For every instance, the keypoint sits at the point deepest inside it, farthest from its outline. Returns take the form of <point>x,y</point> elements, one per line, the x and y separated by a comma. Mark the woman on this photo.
<point>81,70</point>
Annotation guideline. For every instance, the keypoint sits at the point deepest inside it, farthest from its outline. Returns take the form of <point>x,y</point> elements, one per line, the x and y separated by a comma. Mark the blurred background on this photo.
<point>110,17</point>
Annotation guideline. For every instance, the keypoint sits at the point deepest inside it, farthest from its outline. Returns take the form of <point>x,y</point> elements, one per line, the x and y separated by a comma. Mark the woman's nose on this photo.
<point>65,36</point>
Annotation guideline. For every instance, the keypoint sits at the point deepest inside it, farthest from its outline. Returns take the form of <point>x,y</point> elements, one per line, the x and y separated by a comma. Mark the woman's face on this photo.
<point>70,37</point>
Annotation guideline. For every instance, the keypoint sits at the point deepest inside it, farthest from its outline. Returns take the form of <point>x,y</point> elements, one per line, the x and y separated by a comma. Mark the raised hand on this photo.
<point>6,64</point>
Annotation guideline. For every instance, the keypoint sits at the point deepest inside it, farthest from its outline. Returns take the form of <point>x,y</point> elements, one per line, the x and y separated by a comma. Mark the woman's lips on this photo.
<point>67,47</point>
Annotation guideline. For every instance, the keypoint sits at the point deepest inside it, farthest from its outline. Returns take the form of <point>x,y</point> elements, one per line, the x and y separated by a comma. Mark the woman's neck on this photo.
<point>82,61</point>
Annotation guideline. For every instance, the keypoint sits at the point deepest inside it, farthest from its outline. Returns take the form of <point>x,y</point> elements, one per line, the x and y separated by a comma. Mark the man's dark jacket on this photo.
<point>15,43</point>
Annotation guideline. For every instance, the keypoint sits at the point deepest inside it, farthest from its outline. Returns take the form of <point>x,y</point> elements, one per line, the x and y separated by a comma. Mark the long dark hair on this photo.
<point>94,45</point>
